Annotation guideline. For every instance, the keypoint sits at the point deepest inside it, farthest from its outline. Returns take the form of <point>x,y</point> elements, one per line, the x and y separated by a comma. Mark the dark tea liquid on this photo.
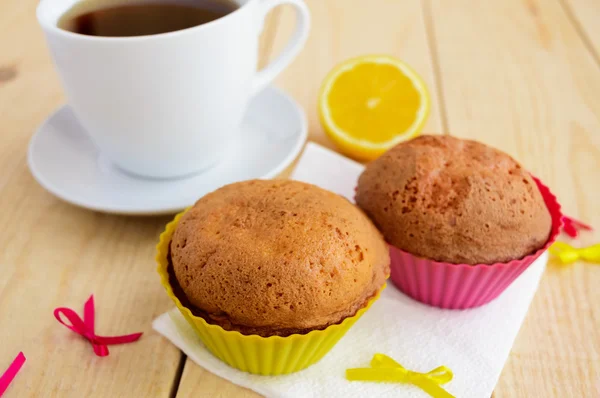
<point>140,19</point>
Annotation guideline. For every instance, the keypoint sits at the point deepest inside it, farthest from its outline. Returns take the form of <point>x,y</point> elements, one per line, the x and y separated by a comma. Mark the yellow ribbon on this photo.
<point>385,369</point>
<point>568,254</point>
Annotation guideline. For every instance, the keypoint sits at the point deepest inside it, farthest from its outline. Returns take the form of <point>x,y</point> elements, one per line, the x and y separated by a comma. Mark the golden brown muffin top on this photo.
<point>271,257</point>
<point>454,200</point>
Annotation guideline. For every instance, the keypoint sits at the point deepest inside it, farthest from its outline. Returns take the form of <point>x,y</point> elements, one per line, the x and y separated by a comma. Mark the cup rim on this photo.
<point>53,27</point>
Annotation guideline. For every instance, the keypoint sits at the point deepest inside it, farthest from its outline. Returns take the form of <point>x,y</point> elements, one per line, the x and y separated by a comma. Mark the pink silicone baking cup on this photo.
<point>461,286</point>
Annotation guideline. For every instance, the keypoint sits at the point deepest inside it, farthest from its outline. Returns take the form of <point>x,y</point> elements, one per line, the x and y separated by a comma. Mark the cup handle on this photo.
<point>267,74</point>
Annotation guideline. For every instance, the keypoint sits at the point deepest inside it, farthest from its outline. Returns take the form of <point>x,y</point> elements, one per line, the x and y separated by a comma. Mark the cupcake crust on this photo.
<point>277,257</point>
<point>456,201</point>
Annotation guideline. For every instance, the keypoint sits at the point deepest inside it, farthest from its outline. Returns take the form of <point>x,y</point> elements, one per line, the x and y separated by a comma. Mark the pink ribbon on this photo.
<point>8,376</point>
<point>571,226</point>
<point>85,328</point>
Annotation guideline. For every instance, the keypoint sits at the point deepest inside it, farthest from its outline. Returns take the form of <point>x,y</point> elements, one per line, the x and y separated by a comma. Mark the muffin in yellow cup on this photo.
<point>271,274</point>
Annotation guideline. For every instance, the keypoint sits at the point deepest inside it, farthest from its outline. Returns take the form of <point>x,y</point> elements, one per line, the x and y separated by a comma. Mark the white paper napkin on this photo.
<point>473,343</point>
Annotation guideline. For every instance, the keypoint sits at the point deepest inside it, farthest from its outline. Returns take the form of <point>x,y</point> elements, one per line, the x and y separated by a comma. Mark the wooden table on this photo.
<point>521,75</point>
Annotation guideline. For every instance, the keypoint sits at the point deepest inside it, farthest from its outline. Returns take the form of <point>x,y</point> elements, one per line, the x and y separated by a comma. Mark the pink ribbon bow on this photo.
<point>571,226</point>
<point>85,328</point>
<point>8,376</point>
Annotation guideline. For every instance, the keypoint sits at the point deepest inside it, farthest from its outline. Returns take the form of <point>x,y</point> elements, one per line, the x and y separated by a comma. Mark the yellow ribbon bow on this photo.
<point>568,254</point>
<point>385,369</point>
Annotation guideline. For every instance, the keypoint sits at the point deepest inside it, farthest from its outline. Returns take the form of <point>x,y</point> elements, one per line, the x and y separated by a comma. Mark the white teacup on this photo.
<point>170,104</point>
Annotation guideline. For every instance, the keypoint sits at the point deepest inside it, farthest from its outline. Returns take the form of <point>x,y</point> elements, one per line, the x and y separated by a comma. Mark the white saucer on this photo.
<point>65,162</point>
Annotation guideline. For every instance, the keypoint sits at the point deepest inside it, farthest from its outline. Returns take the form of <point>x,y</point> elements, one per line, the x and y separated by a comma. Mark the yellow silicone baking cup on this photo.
<point>274,355</point>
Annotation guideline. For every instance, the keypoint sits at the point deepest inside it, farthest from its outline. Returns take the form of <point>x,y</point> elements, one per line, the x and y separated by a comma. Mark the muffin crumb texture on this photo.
<point>277,257</point>
<point>455,201</point>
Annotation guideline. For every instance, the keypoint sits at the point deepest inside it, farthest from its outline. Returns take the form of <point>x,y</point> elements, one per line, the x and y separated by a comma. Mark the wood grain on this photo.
<point>53,254</point>
<point>394,28</point>
<point>195,381</point>
<point>343,29</point>
<point>516,75</point>
<point>522,75</point>
<point>585,15</point>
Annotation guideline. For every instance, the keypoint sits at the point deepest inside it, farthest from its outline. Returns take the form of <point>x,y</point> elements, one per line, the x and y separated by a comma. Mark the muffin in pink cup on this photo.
<point>463,220</point>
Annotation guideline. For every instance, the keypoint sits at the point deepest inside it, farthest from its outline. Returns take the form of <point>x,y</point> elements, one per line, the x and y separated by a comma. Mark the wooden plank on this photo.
<point>196,381</point>
<point>518,76</point>
<point>343,29</point>
<point>514,75</point>
<point>337,33</point>
<point>53,254</point>
<point>585,15</point>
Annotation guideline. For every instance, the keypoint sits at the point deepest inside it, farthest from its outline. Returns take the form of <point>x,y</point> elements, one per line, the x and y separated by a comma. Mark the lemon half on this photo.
<point>371,103</point>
